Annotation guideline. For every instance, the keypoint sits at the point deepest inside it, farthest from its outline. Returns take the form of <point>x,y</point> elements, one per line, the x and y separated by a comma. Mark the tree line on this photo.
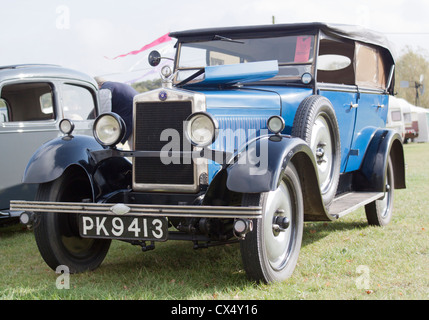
<point>147,85</point>
<point>412,77</point>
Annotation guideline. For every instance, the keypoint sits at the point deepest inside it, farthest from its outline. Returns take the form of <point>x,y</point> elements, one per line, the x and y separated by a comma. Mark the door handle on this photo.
<point>353,105</point>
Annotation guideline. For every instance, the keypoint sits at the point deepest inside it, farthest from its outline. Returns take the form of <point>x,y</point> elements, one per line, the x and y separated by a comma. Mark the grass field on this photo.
<point>345,259</point>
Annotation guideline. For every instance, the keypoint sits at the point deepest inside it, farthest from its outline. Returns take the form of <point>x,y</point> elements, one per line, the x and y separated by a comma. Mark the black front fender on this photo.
<point>274,153</point>
<point>372,174</point>
<point>259,167</point>
<point>55,156</point>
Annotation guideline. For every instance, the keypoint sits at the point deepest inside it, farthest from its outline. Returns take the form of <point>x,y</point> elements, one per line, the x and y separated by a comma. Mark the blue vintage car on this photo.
<point>256,130</point>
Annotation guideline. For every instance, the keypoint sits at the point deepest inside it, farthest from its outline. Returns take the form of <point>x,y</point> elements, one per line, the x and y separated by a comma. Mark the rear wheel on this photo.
<point>270,252</point>
<point>57,234</point>
<point>379,212</point>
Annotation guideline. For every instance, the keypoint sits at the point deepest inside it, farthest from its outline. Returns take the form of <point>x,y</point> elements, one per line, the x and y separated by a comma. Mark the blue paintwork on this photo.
<point>238,73</point>
<point>370,117</point>
<point>357,125</point>
<point>291,97</point>
<point>346,120</point>
<point>242,113</point>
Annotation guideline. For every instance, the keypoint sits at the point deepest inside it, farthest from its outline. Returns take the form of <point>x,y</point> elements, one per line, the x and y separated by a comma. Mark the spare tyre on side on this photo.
<point>315,122</point>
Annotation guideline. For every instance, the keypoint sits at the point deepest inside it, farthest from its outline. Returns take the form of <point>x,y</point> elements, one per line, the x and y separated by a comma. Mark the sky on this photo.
<point>87,34</point>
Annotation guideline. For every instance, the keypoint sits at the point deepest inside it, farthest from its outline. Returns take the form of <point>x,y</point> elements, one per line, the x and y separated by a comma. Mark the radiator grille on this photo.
<point>152,118</point>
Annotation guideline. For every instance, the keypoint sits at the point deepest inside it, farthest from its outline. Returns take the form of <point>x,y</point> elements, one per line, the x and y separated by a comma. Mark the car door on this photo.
<point>372,105</point>
<point>30,115</point>
<point>344,103</point>
<point>371,114</point>
<point>336,82</point>
<point>28,120</point>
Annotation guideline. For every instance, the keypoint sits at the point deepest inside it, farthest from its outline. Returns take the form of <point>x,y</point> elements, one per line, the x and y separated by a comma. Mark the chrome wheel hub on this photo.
<point>321,144</point>
<point>277,233</point>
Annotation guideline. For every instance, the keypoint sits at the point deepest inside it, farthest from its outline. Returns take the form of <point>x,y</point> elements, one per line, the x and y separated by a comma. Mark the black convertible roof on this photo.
<point>352,32</point>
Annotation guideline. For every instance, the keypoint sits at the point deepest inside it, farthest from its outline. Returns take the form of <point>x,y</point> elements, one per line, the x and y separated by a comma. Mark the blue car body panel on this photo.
<point>371,115</point>
<point>238,73</point>
<point>346,116</point>
<point>242,114</point>
<point>359,115</point>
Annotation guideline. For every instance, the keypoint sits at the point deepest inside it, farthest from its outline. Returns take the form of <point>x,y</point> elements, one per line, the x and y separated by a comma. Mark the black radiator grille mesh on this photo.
<point>152,118</point>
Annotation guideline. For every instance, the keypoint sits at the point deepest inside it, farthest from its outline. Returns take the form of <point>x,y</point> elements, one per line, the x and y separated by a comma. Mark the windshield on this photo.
<point>293,53</point>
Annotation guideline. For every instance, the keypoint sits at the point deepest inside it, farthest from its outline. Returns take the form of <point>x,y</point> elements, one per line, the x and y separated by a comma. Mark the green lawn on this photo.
<point>345,259</point>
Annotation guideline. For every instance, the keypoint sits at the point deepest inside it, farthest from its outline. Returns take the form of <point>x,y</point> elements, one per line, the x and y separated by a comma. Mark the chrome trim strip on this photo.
<point>348,88</point>
<point>139,209</point>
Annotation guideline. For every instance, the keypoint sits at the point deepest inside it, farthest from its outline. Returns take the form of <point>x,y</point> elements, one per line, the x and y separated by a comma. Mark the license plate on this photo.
<point>124,227</point>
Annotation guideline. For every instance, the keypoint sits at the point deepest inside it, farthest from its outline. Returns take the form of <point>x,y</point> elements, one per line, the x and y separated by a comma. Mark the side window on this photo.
<point>26,102</point>
<point>396,116</point>
<point>78,102</point>
<point>4,114</point>
<point>46,103</point>
<point>407,117</point>
<point>335,62</point>
<point>370,67</point>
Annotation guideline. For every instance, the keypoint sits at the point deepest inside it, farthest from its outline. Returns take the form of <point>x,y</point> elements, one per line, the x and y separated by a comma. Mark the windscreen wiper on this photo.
<point>192,77</point>
<point>218,37</point>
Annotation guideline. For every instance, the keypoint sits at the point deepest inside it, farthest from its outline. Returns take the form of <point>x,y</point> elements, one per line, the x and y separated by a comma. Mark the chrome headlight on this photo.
<point>66,126</point>
<point>276,124</point>
<point>201,129</point>
<point>109,129</point>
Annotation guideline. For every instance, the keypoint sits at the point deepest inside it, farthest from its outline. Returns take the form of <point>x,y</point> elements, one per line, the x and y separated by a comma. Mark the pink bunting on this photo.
<point>160,40</point>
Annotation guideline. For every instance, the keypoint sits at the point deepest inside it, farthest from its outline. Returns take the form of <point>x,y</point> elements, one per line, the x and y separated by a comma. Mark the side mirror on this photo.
<point>154,58</point>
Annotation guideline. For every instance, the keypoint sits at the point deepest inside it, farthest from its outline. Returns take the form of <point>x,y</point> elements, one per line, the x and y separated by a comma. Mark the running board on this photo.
<point>349,202</point>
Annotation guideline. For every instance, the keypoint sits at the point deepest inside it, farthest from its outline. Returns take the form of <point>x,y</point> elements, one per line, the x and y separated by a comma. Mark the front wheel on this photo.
<point>270,252</point>
<point>57,234</point>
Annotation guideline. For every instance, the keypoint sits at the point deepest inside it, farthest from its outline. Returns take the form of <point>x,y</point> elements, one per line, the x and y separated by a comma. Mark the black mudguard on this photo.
<point>55,156</point>
<point>246,175</point>
<point>258,168</point>
<point>372,174</point>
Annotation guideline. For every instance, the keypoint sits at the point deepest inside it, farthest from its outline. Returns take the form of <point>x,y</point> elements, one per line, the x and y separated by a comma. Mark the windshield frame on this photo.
<point>306,67</point>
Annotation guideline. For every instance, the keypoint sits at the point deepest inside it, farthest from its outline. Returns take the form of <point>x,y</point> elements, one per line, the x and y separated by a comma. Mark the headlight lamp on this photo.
<point>66,126</point>
<point>109,129</point>
<point>201,129</point>
<point>276,124</point>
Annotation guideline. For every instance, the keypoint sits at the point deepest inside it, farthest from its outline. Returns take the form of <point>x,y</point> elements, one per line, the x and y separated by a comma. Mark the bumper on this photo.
<point>7,214</point>
<point>138,209</point>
